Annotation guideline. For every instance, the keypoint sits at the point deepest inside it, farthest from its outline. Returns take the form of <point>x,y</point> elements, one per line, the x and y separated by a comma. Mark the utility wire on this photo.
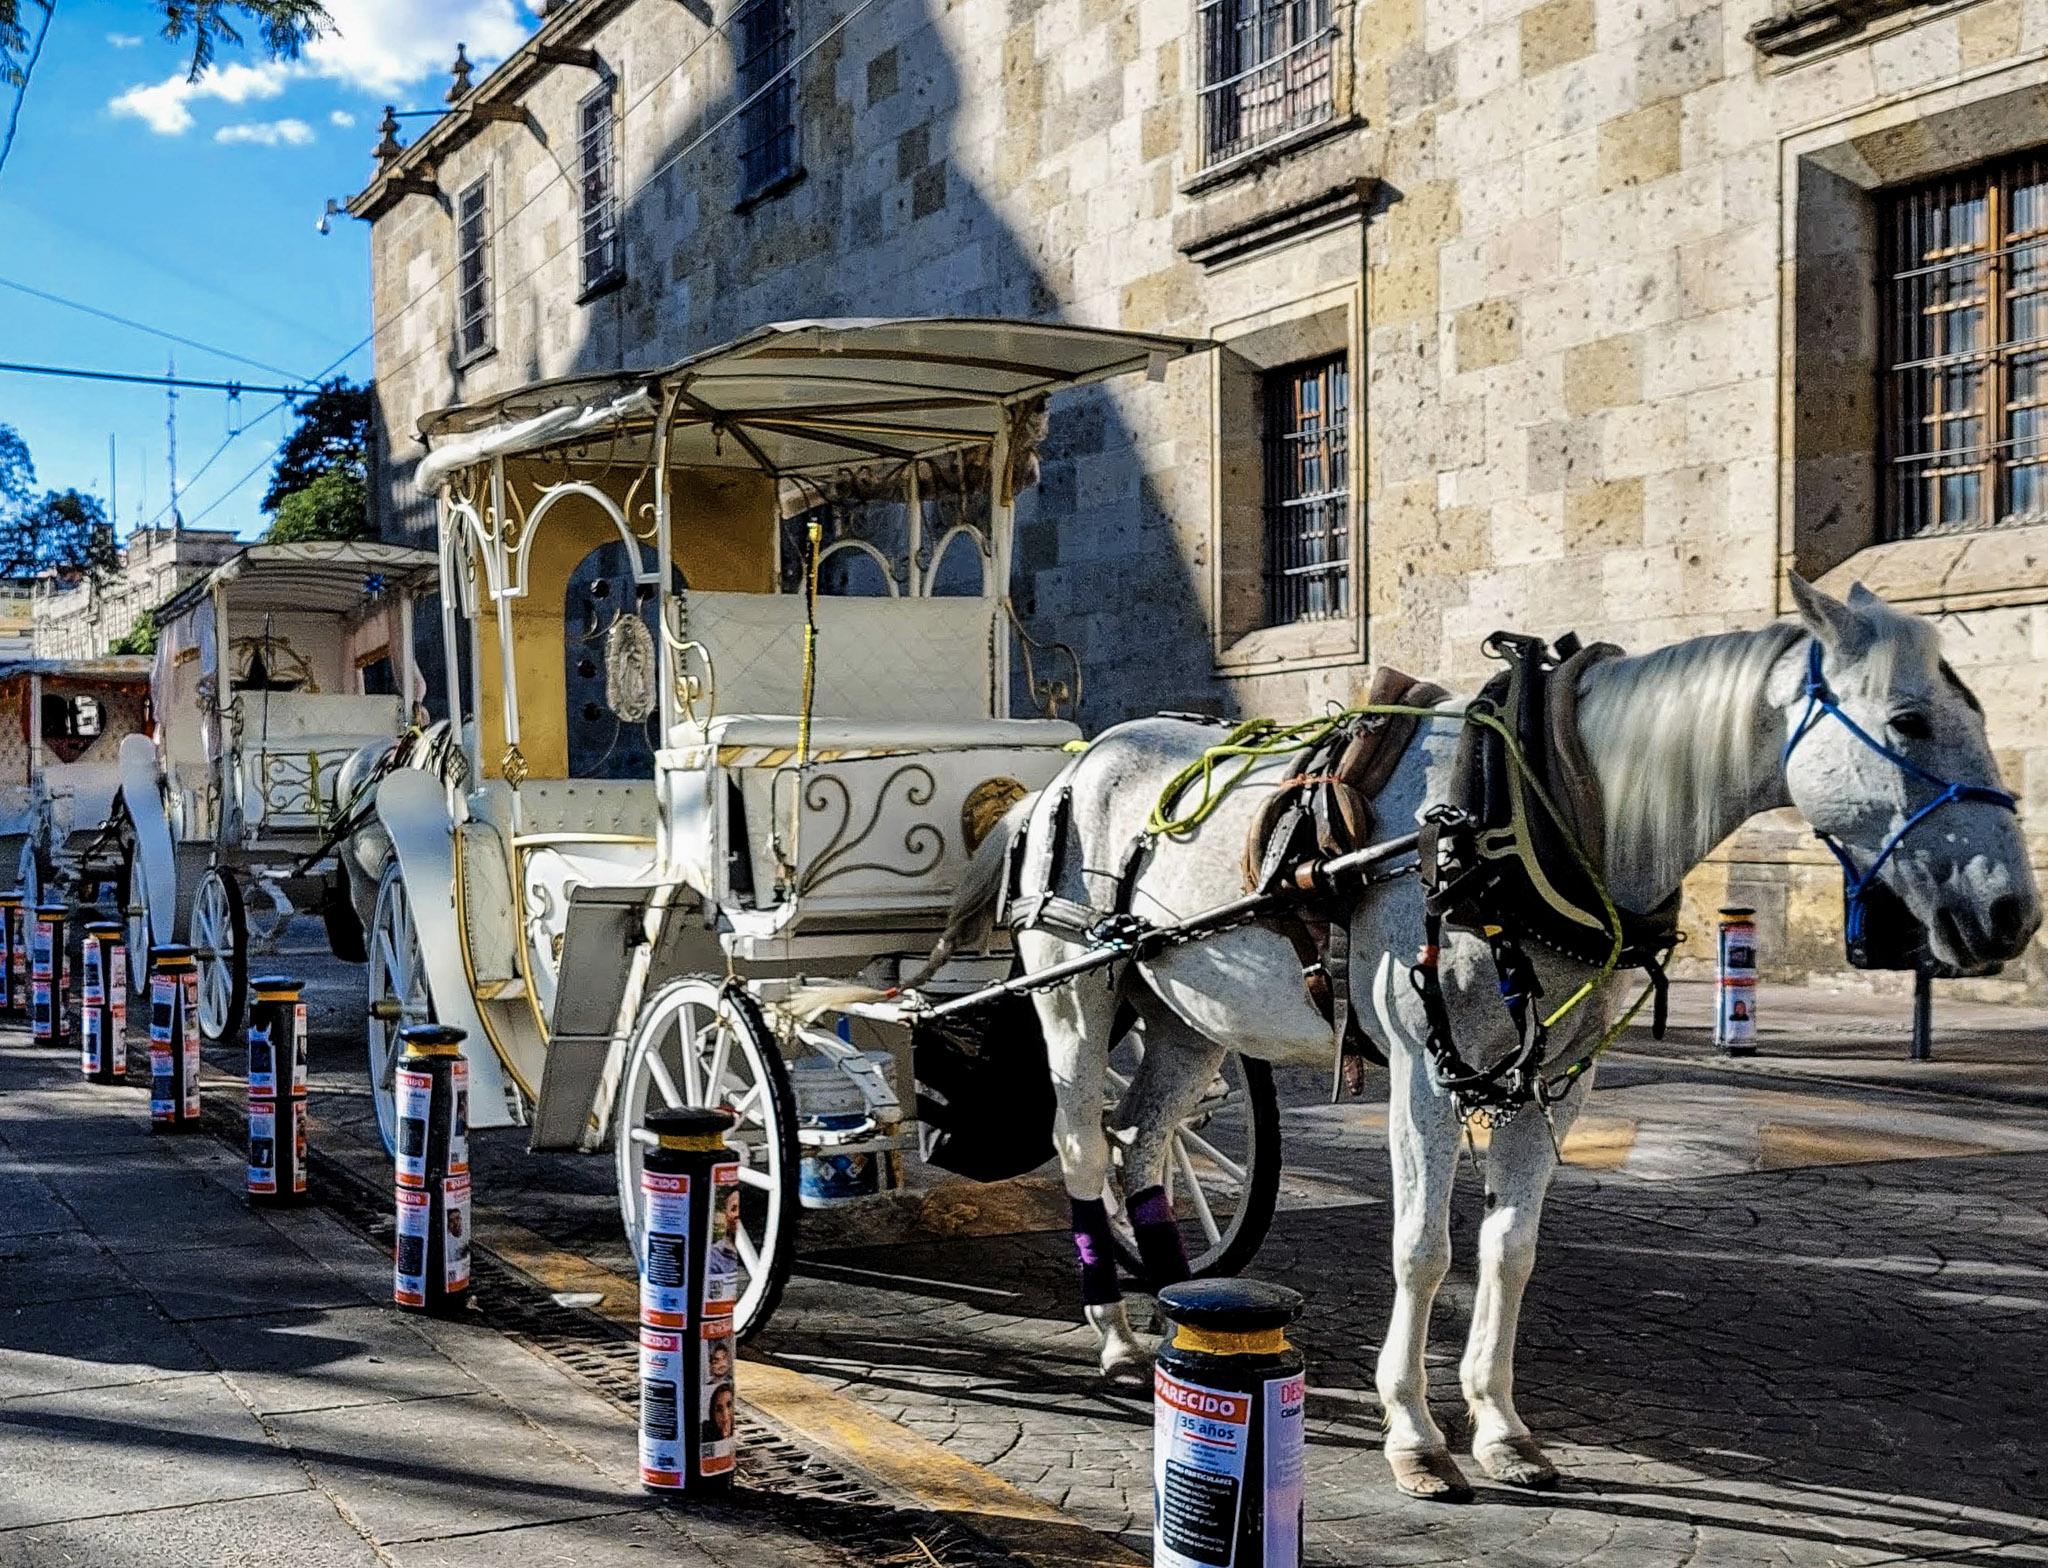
<point>233,388</point>
<point>28,70</point>
<point>142,326</point>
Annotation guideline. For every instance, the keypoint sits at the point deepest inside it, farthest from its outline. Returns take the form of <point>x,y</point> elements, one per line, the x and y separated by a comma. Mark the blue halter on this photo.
<point>1821,703</point>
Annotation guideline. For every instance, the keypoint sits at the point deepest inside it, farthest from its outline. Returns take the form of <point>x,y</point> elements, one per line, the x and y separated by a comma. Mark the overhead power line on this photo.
<point>232,388</point>
<point>142,326</point>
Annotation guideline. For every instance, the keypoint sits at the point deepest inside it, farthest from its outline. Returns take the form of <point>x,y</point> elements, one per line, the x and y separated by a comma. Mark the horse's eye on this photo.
<point>1911,725</point>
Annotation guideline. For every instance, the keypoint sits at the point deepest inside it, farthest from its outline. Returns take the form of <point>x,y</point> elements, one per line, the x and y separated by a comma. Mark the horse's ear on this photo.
<point>1840,626</point>
<point>1861,598</point>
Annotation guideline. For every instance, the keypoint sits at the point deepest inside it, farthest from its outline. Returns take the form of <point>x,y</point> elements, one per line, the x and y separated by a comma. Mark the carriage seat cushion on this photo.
<point>599,806</point>
<point>778,731</point>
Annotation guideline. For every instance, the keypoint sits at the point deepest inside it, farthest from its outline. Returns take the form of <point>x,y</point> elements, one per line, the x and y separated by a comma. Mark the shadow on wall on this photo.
<point>873,207</point>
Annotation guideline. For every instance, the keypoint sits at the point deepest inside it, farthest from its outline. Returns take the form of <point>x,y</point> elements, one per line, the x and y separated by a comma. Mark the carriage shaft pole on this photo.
<point>1149,940</point>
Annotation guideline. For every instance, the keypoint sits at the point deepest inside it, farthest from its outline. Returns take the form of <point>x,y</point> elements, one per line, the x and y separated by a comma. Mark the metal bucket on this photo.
<point>831,1113</point>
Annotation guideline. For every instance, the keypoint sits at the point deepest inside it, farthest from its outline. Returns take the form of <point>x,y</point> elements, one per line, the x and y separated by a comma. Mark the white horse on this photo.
<point>1687,743</point>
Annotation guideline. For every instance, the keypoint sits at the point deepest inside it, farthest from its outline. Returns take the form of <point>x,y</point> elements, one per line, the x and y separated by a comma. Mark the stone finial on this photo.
<point>458,88</point>
<point>389,146</point>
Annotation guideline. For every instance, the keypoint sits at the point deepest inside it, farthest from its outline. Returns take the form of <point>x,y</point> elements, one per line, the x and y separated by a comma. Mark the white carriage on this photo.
<point>62,722</point>
<point>731,650</point>
<point>281,681</point>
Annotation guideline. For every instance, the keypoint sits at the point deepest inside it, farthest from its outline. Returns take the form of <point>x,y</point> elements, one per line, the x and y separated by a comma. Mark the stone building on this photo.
<point>82,617</point>
<point>1579,313</point>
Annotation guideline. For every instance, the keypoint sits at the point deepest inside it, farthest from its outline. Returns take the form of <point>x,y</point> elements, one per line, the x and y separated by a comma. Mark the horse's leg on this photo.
<point>1520,1162</point>
<point>1077,1018</point>
<point>1178,1065</point>
<point>1422,1143</point>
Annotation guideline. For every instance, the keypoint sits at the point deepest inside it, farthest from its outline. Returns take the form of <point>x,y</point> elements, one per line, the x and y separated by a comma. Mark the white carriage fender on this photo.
<point>156,860</point>
<point>413,806</point>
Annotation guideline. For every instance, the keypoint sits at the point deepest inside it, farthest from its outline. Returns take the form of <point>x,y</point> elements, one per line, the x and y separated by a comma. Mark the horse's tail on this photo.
<point>968,924</point>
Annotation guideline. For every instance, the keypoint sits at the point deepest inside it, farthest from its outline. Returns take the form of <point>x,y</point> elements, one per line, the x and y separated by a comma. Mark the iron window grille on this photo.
<point>1308,491</point>
<point>1965,390</point>
<point>473,270</point>
<point>765,35</point>
<point>598,186</point>
<point>1268,69</point>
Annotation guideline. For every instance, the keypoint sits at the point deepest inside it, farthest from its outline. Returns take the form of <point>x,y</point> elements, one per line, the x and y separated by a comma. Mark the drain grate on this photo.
<point>777,1477</point>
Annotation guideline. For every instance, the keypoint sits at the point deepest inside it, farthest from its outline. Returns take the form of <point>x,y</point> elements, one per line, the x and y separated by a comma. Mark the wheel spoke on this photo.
<point>1195,1193</point>
<point>750,1177</point>
<point>1209,1151</point>
<point>657,1069</point>
<point>748,1254</point>
<point>714,1079</point>
<point>689,1033</point>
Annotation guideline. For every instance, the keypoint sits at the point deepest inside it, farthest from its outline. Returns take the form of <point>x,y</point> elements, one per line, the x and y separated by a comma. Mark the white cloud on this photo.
<point>165,106</point>
<point>266,133</point>
<point>125,40</point>
<point>373,46</point>
<point>342,118</point>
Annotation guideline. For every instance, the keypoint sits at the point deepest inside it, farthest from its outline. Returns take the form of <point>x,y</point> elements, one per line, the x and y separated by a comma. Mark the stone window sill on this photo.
<point>1245,164</point>
<point>1992,568</point>
<point>610,283</point>
<point>1304,645</point>
<point>780,185</point>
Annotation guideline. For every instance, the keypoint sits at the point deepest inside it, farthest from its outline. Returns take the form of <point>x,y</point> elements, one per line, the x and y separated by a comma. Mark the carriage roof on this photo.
<point>800,396</point>
<point>116,669</point>
<point>318,575</point>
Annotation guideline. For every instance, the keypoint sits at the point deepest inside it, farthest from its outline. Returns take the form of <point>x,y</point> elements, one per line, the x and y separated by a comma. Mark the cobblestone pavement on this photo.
<point>1773,1322</point>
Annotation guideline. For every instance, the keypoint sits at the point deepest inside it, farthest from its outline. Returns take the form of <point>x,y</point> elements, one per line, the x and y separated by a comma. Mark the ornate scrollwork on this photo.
<point>1049,693</point>
<point>923,842</point>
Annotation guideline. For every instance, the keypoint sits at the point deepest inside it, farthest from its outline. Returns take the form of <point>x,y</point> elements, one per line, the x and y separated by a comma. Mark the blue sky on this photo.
<point>192,208</point>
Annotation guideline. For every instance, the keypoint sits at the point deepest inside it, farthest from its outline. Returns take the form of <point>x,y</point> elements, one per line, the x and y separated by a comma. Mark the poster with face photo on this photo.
<point>722,1265</point>
<point>717,1437</point>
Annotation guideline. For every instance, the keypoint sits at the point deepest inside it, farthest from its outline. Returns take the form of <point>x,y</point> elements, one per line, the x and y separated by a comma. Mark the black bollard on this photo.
<point>689,1285</point>
<point>103,1006</point>
<point>277,1092</point>
<point>173,1039</point>
<point>50,978</point>
<point>1227,1457</point>
<point>14,973</point>
<point>431,1256</point>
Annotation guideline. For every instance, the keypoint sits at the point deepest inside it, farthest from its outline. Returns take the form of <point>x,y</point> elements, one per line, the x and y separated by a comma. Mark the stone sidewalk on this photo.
<point>185,1381</point>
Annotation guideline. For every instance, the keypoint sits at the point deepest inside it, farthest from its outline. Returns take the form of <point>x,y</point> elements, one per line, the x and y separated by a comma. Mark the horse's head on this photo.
<point>1907,788</point>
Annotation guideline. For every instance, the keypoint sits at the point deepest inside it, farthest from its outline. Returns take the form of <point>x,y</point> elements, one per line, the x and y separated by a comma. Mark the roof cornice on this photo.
<point>561,40</point>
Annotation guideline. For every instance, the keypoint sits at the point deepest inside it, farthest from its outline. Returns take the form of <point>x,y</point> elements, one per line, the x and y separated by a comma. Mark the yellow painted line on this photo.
<point>1783,1146</point>
<point>841,1428</point>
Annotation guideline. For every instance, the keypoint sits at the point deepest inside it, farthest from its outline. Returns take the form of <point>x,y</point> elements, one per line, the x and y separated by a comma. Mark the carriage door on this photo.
<point>609,676</point>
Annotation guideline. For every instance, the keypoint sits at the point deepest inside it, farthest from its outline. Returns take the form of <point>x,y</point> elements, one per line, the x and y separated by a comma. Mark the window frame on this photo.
<point>1305,62</point>
<point>484,317</point>
<point>1309,443</point>
<point>604,212</point>
<point>1916,465</point>
<point>764,70</point>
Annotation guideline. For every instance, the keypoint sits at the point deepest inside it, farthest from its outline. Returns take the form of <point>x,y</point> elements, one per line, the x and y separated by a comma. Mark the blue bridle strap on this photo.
<point>1821,703</point>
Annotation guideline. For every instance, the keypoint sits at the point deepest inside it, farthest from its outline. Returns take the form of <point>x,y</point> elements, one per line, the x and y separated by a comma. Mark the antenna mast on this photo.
<point>171,435</point>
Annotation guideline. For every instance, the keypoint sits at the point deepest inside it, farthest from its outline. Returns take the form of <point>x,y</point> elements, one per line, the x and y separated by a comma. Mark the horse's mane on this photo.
<point>1673,737</point>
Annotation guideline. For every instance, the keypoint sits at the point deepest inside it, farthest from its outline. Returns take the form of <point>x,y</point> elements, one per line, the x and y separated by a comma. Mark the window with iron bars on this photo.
<point>764,33</point>
<point>1965,393</point>
<point>598,183</point>
<point>1308,491</point>
<point>1267,70</point>
<point>473,270</point>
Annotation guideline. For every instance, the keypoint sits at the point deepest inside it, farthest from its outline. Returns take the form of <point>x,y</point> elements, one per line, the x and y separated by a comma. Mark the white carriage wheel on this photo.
<point>135,912</point>
<point>220,938</point>
<point>28,874</point>
<point>398,994</point>
<point>1222,1164</point>
<point>699,1042</point>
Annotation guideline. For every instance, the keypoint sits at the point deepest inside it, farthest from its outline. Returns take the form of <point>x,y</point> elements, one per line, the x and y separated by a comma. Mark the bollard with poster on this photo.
<point>1735,992</point>
<point>14,968</point>
<point>103,1006</point>
<point>1229,1395</point>
<point>277,1092</point>
<point>173,1039</point>
<point>49,978</point>
<point>430,1263</point>
<point>689,1285</point>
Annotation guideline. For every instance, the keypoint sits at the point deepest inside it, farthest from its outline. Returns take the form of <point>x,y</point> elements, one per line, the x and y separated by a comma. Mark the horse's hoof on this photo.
<point>1516,1461</point>
<point>1126,1361</point>
<point>1430,1474</point>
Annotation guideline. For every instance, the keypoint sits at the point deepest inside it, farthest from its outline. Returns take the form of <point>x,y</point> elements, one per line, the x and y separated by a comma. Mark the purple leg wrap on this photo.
<point>1092,1245</point>
<point>1159,1245</point>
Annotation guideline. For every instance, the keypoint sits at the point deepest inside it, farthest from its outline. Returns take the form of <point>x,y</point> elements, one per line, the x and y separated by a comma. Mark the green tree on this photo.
<point>333,506</point>
<point>333,436</point>
<point>284,26</point>
<point>17,472</point>
<point>139,638</point>
<point>63,531</point>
